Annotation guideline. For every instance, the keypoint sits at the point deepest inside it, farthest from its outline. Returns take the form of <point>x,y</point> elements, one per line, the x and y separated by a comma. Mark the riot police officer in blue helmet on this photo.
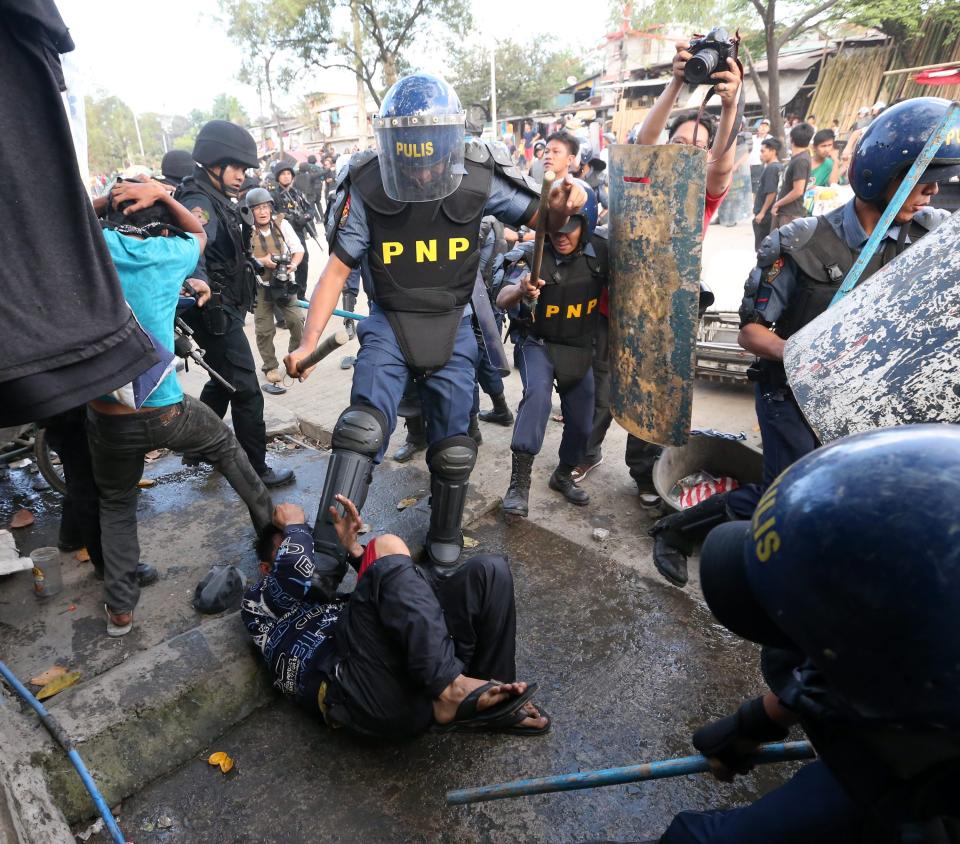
<point>410,216</point>
<point>553,321</point>
<point>850,579</point>
<point>799,269</point>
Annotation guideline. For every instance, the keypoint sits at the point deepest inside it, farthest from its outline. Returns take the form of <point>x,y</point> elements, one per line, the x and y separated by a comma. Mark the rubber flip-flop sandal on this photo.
<point>478,720</point>
<point>516,729</point>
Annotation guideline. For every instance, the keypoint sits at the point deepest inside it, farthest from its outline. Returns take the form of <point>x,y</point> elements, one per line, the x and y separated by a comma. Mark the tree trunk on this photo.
<point>773,73</point>
<point>361,100</point>
<point>273,108</point>
<point>757,84</point>
<point>389,69</point>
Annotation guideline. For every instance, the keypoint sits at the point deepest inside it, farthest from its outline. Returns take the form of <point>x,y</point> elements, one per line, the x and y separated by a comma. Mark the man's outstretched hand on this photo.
<point>347,526</point>
<point>566,198</point>
<point>291,360</point>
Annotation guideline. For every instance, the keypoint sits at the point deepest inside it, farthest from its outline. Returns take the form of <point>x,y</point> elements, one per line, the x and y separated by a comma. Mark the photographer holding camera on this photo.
<point>294,206</point>
<point>705,60</point>
<point>695,63</point>
<point>277,247</point>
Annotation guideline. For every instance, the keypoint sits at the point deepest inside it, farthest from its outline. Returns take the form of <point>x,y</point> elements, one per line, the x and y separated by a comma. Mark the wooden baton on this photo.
<point>330,344</point>
<point>541,232</point>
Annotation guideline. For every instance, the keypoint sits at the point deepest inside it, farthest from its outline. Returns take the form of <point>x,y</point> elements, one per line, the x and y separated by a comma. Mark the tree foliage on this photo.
<point>528,76</point>
<point>393,31</point>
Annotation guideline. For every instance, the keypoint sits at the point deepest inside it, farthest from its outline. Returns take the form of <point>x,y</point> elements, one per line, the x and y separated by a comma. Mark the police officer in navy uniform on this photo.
<point>411,215</point>
<point>855,599</point>
<point>296,210</point>
<point>553,323</point>
<point>799,269</point>
<point>222,152</point>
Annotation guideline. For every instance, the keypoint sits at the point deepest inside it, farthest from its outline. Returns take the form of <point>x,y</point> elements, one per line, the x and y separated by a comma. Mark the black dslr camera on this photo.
<point>710,54</point>
<point>281,285</point>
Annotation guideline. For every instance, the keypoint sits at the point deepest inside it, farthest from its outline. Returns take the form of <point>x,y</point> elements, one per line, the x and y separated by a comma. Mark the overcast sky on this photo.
<point>136,49</point>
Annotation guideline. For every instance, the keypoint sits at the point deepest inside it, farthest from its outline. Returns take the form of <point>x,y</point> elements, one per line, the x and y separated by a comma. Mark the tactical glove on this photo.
<point>733,739</point>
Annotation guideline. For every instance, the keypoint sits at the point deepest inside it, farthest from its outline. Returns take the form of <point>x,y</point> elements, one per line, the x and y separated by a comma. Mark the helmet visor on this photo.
<point>421,157</point>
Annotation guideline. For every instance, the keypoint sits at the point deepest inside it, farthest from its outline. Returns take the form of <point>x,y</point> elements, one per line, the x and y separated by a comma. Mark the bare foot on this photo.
<point>534,719</point>
<point>445,706</point>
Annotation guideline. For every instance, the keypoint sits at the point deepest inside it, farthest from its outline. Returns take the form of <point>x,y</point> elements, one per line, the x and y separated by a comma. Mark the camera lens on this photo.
<point>699,68</point>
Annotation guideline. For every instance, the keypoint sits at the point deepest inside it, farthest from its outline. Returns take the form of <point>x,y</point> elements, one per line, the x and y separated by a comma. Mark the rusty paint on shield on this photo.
<point>889,353</point>
<point>656,233</point>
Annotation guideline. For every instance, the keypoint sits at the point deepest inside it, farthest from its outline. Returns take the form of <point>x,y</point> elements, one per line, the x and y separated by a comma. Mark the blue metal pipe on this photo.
<point>950,120</point>
<point>336,311</point>
<point>766,754</point>
<point>55,730</point>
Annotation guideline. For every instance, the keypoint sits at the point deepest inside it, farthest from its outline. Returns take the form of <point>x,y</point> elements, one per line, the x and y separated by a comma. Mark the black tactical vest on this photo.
<point>823,263</point>
<point>423,259</point>
<point>567,314</point>
<point>225,256</point>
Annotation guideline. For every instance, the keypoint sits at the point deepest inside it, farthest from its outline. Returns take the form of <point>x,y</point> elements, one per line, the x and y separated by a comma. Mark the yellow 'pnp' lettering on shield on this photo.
<point>552,310</point>
<point>426,251</point>
<point>591,305</point>
<point>458,245</point>
<point>574,311</point>
<point>391,249</point>
<point>768,545</point>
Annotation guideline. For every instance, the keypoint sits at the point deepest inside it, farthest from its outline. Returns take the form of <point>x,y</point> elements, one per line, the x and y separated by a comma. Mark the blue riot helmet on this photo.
<point>853,559</point>
<point>892,142</point>
<point>586,217</point>
<point>420,136</point>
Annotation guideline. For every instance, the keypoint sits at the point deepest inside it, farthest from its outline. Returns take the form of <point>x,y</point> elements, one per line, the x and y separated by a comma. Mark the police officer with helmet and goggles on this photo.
<point>799,269</point>
<point>855,601</point>
<point>222,152</point>
<point>553,321</point>
<point>410,215</point>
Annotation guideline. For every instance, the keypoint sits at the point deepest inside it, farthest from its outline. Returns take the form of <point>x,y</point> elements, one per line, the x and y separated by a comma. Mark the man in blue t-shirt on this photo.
<point>155,243</point>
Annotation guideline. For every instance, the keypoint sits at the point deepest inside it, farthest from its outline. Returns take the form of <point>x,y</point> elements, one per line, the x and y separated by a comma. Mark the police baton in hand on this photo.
<point>330,344</point>
<point>541,233</point>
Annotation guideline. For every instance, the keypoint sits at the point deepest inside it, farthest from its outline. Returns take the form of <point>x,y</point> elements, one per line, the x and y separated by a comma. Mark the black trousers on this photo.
<point>760,231</point>
<point>117,446</point>
<point>230,355</point>
<point>80,522</point>
<point>402,641</point>
<point>301,274</point>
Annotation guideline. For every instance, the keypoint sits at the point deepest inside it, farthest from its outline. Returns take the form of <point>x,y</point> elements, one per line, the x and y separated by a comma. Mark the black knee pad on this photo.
<point>452,459</point>
<point>361,428</point>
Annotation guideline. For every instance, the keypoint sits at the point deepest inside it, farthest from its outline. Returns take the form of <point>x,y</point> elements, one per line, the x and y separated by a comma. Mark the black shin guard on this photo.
<point>451,461</point>
<point>357,437</point>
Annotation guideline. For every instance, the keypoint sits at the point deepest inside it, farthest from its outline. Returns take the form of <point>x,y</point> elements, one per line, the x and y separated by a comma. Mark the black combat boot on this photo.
<point>517,500</point>
<point>416,440</point>
<point>674,536</point>
<point>500,415</point>
<point>562,481</point>
<point>474,430</point>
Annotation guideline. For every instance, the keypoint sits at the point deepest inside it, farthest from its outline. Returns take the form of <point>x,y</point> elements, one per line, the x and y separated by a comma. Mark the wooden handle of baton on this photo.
<point>331,344</point>
<point>548,179</point>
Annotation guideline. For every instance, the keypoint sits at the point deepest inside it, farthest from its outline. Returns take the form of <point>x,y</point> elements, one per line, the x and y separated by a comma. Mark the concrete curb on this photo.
<point>28,814</point>
<point>173,700</point>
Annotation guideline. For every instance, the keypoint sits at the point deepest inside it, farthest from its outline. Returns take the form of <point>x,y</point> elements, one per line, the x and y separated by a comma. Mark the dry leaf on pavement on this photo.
<point>56,686</point>
<point>22,518</point>
<point>403,503</point>
<point>51,673</point>
<point>222,760</point>
<point>470,542</point>
<point>82,556</point>
<point>146,483</point>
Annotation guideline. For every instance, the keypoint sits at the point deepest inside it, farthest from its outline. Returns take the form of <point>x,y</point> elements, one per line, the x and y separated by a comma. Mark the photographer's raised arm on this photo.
<point>721,161</point>
<point>656,120</point>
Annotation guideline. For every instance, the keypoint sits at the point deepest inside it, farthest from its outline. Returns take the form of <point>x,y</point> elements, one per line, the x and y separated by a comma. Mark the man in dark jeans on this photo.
<point>766,190</point>
<point>152,270</point>
<point>789,204</point>
<point>401,654</point>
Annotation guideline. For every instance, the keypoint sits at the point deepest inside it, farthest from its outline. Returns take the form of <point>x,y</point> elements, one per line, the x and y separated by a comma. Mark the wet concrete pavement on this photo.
<point>627,667</point>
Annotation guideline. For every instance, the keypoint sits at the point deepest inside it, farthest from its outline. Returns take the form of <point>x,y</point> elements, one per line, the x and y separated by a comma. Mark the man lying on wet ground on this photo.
<point>401,653</point>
